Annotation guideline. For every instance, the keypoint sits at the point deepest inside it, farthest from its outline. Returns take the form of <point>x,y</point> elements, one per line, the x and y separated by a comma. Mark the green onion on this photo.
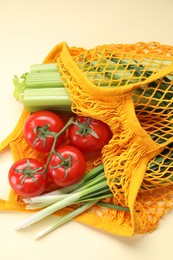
<point>92,177</point>
<point>87,192</point>
<point>66,218</point>
<point>112,206</point>
<point>69,200</point>
<point>48,211</point>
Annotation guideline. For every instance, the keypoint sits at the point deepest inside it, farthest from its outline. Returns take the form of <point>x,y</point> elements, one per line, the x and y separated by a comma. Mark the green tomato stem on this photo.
<point>84,128</point>
<point>56,136</point>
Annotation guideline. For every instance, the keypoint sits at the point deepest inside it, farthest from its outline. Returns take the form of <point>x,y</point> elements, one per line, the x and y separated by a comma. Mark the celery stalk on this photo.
<point>47,67</point>
<point>46,98</point>
<point>43,87</point>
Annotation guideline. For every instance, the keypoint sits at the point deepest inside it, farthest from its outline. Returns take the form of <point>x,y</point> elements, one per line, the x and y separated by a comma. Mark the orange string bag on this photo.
<point>136,103</point>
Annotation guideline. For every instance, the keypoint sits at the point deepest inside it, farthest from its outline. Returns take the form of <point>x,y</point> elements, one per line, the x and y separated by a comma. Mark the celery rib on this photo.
<point>107,73</point>
<point>46,67</point>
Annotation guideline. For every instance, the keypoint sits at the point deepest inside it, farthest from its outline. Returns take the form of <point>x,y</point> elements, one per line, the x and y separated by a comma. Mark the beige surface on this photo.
<point>28,30</point>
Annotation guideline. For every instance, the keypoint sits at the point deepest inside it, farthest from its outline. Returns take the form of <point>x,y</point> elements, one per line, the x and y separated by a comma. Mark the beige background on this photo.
<point>28,31</point>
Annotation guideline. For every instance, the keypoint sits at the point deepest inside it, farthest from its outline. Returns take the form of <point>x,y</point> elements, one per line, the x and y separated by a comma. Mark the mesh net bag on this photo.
<point>129,87</point>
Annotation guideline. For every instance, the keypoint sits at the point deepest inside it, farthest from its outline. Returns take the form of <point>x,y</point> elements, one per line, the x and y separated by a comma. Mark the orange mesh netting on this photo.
<point>129,87</point>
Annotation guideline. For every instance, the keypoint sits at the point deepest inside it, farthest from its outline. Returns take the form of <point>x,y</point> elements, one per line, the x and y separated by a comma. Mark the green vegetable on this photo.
<point>43,87</point>
<point>66,218</point>
<point>92,188</point>
<point>42,91</point>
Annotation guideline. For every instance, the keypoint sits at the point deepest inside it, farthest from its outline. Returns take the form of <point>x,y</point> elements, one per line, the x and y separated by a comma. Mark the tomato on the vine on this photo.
<point>26,177</point>
<point>88,134</point>
<point>67,166</point>
<point>39,130</point>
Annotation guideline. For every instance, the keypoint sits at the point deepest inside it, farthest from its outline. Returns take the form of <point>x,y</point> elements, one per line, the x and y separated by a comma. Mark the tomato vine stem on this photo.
<point>56,136</point>
<point>84,128</point>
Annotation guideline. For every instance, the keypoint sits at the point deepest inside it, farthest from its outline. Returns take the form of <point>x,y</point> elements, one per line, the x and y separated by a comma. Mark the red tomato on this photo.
<point>38,128</point>
<point>88,134</point>
<point>67,166</point>
<point>26,179</point>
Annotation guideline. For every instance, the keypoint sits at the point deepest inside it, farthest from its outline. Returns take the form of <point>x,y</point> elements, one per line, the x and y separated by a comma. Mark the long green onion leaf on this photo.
<point>74,198</point>
<point>66,218</point>
<point>88,177</point>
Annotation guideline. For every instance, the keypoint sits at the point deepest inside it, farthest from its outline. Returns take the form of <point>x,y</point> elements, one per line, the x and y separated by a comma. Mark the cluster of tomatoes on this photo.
<point>45,131</point>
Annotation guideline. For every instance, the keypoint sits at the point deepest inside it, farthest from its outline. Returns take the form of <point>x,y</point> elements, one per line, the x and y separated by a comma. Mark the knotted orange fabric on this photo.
<point>136,102</point>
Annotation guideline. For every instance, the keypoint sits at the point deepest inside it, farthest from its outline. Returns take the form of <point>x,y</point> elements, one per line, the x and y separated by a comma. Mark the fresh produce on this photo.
<point>86,193</point>
<point>89,191</point>
<point>66,166</point>
<point>40,129</point>
<point>88,134</point>
<point>26,177</point>
<point>43,88</point>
